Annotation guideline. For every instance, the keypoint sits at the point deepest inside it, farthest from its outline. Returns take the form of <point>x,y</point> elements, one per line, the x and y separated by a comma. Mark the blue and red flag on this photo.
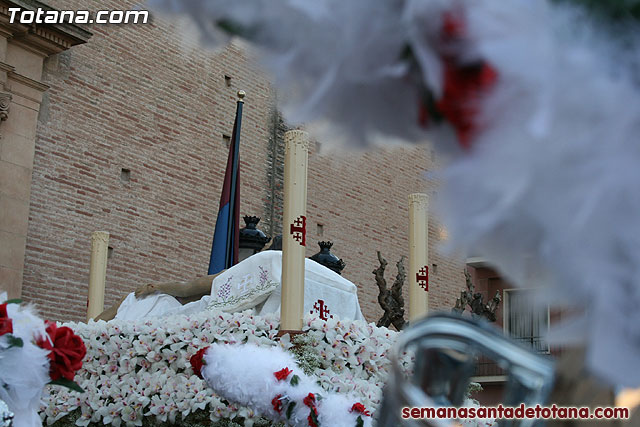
<point>226,237</point>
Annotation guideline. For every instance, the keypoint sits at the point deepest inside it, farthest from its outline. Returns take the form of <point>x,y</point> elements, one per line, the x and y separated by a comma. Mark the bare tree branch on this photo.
<point>391,301</point>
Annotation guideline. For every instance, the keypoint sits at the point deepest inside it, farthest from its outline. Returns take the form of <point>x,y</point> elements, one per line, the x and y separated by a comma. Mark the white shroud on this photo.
<point>255,283</point>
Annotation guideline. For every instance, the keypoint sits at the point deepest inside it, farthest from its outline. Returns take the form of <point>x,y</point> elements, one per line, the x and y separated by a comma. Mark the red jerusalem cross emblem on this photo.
<point>322,309</point>
<point>299,230</point>
<point>422,277</point>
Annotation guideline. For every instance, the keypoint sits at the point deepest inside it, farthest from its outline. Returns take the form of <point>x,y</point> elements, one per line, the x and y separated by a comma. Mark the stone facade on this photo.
<point>132,139</point>
<point>23,49</point>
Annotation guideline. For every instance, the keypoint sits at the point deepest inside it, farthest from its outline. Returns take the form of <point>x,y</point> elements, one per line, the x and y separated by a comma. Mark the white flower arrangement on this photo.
<point>141,369</point>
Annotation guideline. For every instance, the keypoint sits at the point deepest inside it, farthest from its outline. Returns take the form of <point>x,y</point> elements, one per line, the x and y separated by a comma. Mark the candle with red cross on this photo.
<point>418,256</point>
<point>294,229</point>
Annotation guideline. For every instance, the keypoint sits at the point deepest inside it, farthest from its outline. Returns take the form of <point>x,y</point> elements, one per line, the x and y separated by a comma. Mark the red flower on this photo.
<point>6,324</point>
<point>310,400</point>
<point>359,407</point>
<point>66,351</point>
<point>464,83</point>
<point>310,419</point>
<point>197,361</point>
<point>453,27</point>
<point>464,87</point>
<point>276,402</point>
<point>282,374</point>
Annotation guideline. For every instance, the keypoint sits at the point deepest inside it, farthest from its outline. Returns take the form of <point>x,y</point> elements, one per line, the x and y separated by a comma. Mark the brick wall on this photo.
<point>142,99</point>
<point>361,200</point>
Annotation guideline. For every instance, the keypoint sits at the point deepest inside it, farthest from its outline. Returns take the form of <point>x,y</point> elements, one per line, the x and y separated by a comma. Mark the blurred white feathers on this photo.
<point>549,190</point>
<point>339,60</point>
<point>21,388</point>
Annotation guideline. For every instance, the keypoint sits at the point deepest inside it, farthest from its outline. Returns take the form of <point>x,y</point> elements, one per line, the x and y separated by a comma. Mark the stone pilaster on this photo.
<point>23,49</point>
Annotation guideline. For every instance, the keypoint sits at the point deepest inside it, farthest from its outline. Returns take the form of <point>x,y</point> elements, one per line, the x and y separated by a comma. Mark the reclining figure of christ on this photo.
<point>254,283</point>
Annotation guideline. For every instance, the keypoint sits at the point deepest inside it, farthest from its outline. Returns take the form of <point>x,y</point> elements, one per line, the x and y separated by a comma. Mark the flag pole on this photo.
<point>230,254</point>
<point>224,247</point>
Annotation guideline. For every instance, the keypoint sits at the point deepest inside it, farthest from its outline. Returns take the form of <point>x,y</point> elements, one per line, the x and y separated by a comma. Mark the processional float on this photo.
<point>444,348</point>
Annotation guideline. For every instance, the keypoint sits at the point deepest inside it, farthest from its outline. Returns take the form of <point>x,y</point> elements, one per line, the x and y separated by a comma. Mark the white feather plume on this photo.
<point>24,371</point>
<point>245,375</point>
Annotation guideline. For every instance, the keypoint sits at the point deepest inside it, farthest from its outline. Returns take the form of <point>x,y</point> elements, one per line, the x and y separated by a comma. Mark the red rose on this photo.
<point>6,324</point>
<point>359,407</point>
<point>282,374</point>
<point>197,361</point>
<point>66,351</point>
<point>276,402</point>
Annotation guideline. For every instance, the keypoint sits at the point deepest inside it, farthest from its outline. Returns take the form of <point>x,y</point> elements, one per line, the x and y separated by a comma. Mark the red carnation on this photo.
<point>6,324</point>
<point>465,84</point>
<point>310,400</point>
<point>197,361</point>
<point>66,351</point>
<point>453,26</point>
<point>282,374</point>
<point>359,407</point>
<point>310,419</point>
<point>464,87</point>
<point>276,402</point>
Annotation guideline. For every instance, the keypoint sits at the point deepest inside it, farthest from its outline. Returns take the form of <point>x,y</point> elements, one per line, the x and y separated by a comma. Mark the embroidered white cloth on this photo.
<point>255,284</point>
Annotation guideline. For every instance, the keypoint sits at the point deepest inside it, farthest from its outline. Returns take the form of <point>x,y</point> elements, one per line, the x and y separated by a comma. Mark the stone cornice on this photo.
<point>27,81</point>
<point>45,39</point>
<point>6,67</point>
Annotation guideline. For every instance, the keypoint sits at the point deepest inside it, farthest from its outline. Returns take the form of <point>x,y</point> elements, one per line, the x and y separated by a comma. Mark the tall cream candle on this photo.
<point>418,256</point>
<point>294,229</point>
<point>97,273</point>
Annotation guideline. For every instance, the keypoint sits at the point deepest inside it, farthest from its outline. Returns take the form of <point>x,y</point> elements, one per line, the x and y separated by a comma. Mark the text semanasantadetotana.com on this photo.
<point>517,412</point>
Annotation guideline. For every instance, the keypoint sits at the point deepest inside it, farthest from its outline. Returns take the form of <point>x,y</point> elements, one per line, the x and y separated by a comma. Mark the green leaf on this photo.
<point>68,384</point>
<point>14,341</point>
<point>14,301</point>
<point>295,380</point>
<point>359,421</point>
<point>314,417</point>
<point>290,409</point>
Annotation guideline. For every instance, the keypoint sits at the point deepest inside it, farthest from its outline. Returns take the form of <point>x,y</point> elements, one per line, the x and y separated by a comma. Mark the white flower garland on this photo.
<point>141,369</point>
<point>124,359</point>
